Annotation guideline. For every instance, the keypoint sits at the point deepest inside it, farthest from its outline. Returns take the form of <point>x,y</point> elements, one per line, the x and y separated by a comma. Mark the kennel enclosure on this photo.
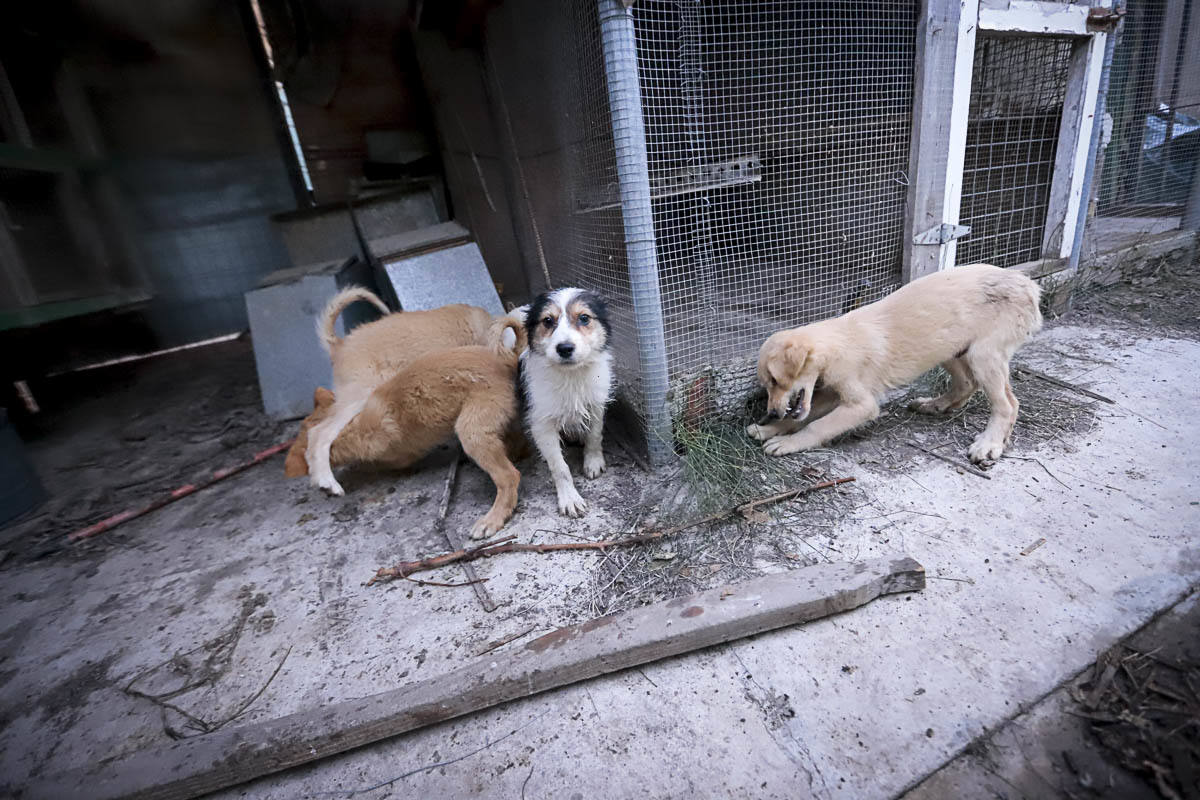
<point>721,170</point>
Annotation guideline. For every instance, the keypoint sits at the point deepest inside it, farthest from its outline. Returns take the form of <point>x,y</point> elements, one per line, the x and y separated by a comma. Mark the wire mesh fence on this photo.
<point>1018,87</point>
<point>777,136</point>
<point>1154,111</point>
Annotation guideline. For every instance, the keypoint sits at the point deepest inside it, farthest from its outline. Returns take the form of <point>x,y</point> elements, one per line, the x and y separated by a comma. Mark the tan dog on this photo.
<point>370,355</point>
<point>970,320</point>
<point>465,391</point>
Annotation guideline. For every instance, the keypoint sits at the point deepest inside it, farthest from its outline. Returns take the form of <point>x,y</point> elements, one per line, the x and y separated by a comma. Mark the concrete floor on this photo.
<point>200,603</point>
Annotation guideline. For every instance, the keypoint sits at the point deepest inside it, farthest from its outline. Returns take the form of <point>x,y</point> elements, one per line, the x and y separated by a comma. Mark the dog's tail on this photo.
<point>501,342</point>
<point>327,318</point>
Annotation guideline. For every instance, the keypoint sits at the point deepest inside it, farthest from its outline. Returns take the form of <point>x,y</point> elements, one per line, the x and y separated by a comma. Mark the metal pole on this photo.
<point>1093,146</point>
<point>633,178</point>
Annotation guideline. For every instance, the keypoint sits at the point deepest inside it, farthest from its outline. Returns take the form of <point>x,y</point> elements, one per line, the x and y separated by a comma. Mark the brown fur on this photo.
<point>465,391</point>
<point>370,355</point>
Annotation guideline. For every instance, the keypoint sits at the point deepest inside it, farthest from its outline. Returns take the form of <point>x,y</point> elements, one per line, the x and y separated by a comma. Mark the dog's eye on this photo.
<point>584,319</point>
<point>548,322</point>
<point>774,382</point>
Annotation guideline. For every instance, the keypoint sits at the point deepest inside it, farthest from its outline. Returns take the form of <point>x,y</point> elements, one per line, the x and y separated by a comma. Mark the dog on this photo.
<point>369,356</point>
<point>970,320</point>
<point>466,391</point>
<point>566,382</point>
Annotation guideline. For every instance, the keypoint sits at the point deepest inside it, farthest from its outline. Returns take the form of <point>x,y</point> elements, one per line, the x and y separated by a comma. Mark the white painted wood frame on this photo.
<point>1079,106</point>
<point>1074,137</point>
<point>1029,16</point>
<point>945,57</point>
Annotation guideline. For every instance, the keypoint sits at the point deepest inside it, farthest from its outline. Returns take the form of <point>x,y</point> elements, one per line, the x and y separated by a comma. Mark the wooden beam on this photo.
<point>203,764</point>
<point>1029,16</point>
<point>1074,138</point>
<point>945,57</point>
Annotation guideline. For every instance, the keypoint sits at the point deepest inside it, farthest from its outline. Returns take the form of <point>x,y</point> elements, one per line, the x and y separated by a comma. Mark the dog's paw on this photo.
<point>982,450</point>
<point>571,503</point>
<point>756,432</point>
<point>485,528</point>
<point>593,465</point>
<point>927,405</point>
<point>328,483</point>
<point>785,445</point>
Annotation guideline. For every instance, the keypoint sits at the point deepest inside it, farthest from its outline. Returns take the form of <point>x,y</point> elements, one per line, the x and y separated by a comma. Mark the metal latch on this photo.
<point>940,234</point>
<point>1104,20</point>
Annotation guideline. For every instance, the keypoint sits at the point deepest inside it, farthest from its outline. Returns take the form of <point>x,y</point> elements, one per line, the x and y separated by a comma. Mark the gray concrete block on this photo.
<point>452,275</point>
<point>283,313</point>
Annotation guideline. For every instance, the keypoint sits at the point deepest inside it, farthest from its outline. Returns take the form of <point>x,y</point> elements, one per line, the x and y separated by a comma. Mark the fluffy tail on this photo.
<point>497,335</point>
<point>336,305</point>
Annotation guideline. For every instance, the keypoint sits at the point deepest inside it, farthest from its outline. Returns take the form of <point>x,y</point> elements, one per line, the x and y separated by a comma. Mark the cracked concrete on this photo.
<point>863,705</point>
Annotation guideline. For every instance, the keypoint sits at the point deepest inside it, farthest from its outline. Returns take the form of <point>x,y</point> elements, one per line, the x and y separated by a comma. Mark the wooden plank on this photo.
<point>1074,138</point>
<point>1028,16</point>
<point>945,58</point>
<point>196,766</point>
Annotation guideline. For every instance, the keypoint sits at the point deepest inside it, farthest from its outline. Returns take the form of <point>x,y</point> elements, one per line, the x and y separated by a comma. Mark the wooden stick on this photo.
<point>949,460</point>
<point>1064,384</point>
<point>406,568</point>
<point>498,643</point>
<point>202,764</point>
<point>455,541</point>
<point>109,523</point>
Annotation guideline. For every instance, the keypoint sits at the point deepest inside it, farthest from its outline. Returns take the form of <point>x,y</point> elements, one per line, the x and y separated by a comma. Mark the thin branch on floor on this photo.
<point>949,460</point>
<point>502,546</point>
<point>438,765</point>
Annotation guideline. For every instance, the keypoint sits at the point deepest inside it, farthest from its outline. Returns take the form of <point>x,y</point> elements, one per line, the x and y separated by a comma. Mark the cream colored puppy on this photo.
<point>970,320</point>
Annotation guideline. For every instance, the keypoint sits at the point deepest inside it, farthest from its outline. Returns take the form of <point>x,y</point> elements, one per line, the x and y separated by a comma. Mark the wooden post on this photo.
<point>203,764</point>
<point>1074,137</point>
<point>942,91</point>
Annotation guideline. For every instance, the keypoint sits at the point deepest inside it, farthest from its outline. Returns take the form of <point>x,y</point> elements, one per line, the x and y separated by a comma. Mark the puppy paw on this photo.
<point>784,445</point>
<point>593,465</point>
<point>985,450</point>
<point>927,405</point>
<point>328,483</point>
<point>485,527</point>
<point>756,432</point>
<point>571,503</point>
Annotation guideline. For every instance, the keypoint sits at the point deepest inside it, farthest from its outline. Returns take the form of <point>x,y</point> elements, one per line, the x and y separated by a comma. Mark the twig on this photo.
<point>438,765</point>
<point>250,701</point>
<point>498,643</point>
<point>455,541</point>
<point>525,782</point>
<point>502,546</point>
<point>178,494</point>
<point>1064,384</point>
<point>949,460</point>
<point>451,479</point>
<point>945,578</point>
<point>448,585</point>
<point>1033,547</point>
<point>1044,467</point>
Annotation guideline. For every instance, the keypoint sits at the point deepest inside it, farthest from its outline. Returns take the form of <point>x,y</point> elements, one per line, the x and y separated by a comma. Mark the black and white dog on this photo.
<point>566,382</point>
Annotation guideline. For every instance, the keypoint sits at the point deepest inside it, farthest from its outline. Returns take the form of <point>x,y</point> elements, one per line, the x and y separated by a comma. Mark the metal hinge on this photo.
<point>1104,20</point>
<point>940,234</point>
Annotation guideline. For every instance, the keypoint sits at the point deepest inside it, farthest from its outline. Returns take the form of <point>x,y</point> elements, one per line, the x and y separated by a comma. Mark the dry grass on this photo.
<point>721,468</point>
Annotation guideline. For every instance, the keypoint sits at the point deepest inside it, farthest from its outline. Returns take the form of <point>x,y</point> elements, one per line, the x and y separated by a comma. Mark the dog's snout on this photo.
<point>565,349</point>
<point>772,414</point>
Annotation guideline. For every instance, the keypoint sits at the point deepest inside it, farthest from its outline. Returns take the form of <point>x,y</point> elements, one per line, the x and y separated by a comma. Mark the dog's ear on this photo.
<point>322,398</point>
<point>793,358</point>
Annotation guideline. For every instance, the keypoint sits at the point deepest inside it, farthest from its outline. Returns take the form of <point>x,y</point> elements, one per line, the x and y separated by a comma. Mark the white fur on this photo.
<point>567,397</point>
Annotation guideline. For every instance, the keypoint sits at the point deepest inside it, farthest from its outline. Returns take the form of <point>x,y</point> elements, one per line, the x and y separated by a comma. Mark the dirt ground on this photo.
<point>246,601</point>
